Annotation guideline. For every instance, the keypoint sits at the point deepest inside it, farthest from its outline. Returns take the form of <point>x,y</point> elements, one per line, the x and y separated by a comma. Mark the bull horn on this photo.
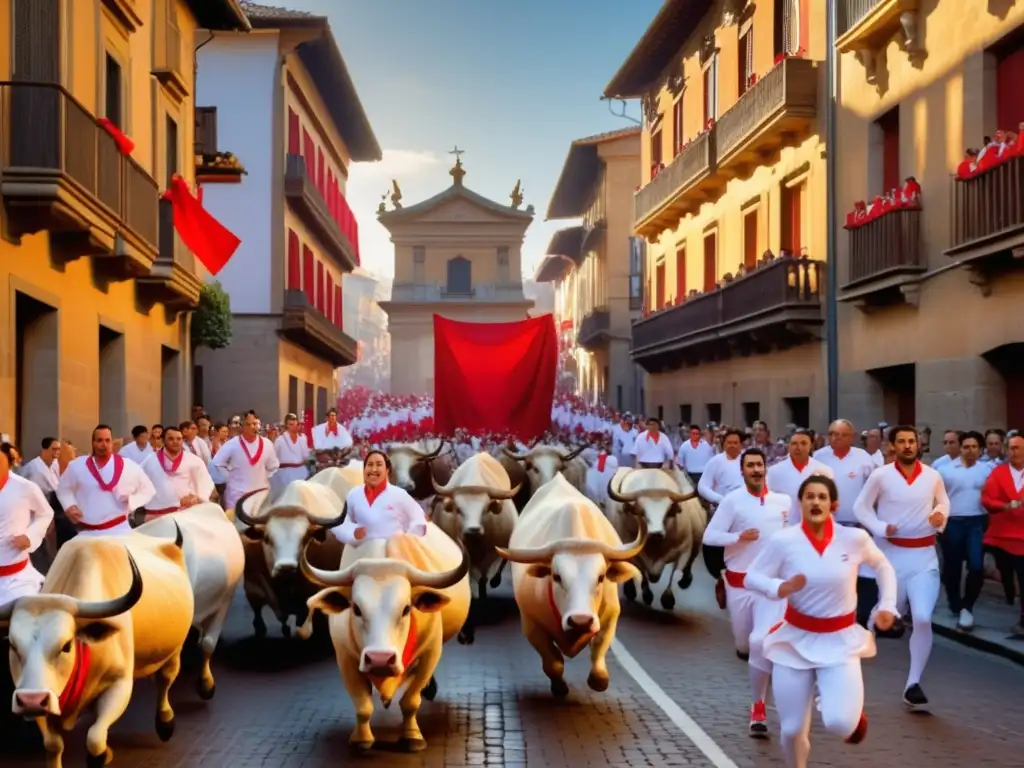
<point>241,514</point>
<point>498,495</point>
<point>179,537</point>
<point>443,580</point>
<point>105,609</point>
<point>631,550</point>
<point>679,498</point>
<point>422,456</point>
<point>440,490</point>
<point>341,578</point>
<point>527,556</point>
<point>567,457</point>
<point>328,522</point>
<point>513,455</point>
<point>618,497</point>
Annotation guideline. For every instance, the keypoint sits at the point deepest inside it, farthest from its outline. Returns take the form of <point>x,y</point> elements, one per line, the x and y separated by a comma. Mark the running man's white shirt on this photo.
<point>722,475</point>
<point>786,477</point>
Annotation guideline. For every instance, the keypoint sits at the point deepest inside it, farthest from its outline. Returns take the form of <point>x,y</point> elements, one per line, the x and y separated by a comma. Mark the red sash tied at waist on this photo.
<point>925,541</point>
<point>735,579</point>
<point>105,526</point>
<point>13,568</point>
<point>293,466</point>
<point>817,624</point>
<point>164,511</point>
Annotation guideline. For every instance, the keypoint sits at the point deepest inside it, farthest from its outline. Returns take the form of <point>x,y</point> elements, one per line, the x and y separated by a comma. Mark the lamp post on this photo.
<point>832,303</point>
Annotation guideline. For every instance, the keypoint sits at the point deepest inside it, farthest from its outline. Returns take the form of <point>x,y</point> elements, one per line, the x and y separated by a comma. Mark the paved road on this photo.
<point>279,705</point>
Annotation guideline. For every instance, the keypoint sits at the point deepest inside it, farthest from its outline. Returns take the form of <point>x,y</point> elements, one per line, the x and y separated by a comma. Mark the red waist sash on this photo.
<point>925,541</point>
<point>817,624</point>
<point>164,511</point>
<point>105,526</point>
<point>13,568</point>
<point>292,466</point>
<point>735,579</point>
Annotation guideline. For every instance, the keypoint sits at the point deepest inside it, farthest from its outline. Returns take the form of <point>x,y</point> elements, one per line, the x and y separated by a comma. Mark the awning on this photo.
<point>552,269</point>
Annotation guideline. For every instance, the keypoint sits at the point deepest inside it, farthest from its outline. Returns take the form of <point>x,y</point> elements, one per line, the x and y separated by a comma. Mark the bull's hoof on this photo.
<point>286,631</point>
<point>429,691</point>
<point>629,590</point>
<point>648,597</point>
<point>668,600</point>
<point>559,688</point>
<point>686,579</point>
<point>412,745</point>
<point>598,682</point>
<point>164,729</point>
<point>205,691</point>
<point>360,747</point>
<point>98,761</point>
<point>466,637</point>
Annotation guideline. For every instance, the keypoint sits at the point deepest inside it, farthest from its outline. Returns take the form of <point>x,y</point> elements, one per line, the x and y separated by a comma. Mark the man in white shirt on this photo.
<point>180,477</point>
<point>331,436</point>
<point>904,505</point>
<point>191,441</point>
<point>962,541</point>
<point>293,453</point>
<point>623,439</point>
<point>786,476</point>
<point>138,450</point>
<point>951,445</point>
<point>694,454</point>
<point>652,449</point>
<point>247,461</point>
<point>721,475</point>
<point>873,445</point>
<point>44,469</point>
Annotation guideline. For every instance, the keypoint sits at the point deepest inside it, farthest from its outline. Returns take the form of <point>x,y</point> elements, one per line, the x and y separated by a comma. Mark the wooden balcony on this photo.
<point>987,220</point>
<point>775,307</point>
<point>173,280</point>
<point>212,165</point>
<point>302,193</point>
<point>595,329</point>
<point>886,260</point>
<point>303,324</point>
<point>778,110</point>
<point>869,24</point>
<point>167,61</point>
<point>676,190</point>
<point>63,173</point>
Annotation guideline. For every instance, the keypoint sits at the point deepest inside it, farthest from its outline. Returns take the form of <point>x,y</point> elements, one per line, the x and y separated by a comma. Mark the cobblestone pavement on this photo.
<point>278,704</point>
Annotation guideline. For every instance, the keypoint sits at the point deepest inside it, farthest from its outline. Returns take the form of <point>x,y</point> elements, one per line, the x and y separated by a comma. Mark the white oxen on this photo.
<point>215,559</point>
<point>599,473</point>
<point>112,609</point>
<point>544,461</point>
<point>567,561</point>
<point>476,508</point>
<point>392,605</point>
<point>668,503</point>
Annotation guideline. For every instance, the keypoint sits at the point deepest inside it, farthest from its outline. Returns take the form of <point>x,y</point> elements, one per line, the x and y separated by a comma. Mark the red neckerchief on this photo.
<point>3,480</point>
<point>761,495</point>
<point>694,443</point>
<point>650,438</point>
<point>914,473</point>
<point>408,652</point>
<point>90,463</point>
<point>372,494</point>
<point>331,430</point>
<point>841,456</point>
<point>600,463</point>
<point>175,463</point>
<point>820,545</point>
<point>799,467</point>
<point>253,460</point>
<point>71,696</point>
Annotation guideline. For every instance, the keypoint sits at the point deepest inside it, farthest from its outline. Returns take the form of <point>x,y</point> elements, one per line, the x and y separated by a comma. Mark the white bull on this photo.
<point>215,559</point>
<point>668,503</point>
<point>567,561</point>
<point>112,609</point>
<point>476,508</point>
<point>416,466</point>
<point>544,461</point>
<point>277,532</point>
<point>392,605</point>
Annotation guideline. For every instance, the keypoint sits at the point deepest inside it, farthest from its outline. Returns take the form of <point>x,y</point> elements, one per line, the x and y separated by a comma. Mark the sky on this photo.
<point>511,83</point>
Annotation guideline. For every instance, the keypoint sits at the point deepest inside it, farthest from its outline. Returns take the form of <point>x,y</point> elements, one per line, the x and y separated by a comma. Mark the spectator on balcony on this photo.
<point>910,195</point>
<point>967,166</point>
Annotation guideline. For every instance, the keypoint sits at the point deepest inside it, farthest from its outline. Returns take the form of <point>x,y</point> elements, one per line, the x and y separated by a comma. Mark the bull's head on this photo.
<point>404,458</point>
<point>471,502</point>
<point>657,499</point>
<point>52,637</point>
<point>286,525</point>
<point>381,593</point>
<point>543,462</point>
<point>578,569</point>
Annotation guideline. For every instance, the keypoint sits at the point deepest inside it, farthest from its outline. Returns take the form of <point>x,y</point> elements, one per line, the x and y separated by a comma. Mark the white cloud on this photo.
<point>397,163</point>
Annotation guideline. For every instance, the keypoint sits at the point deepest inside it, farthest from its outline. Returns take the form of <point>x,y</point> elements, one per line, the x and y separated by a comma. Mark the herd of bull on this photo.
<point>117,608</point>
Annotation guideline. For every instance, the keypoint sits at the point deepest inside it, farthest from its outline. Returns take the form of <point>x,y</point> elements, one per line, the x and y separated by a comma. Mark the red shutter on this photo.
<point>329,298</point>
<point>354,238</point>
<point>294,265</point>
<point>805,33</point>
<point>308,275</point>
<point>710,263</point>
<point>1009,104</point>
<point>320,285</point>
<point>320,171</point>
<point>680,275</point>
<point>329,197</point>
<point>294,133</point>
<point>309,152</point>
<point>337,306</point>
<point>889,124</point>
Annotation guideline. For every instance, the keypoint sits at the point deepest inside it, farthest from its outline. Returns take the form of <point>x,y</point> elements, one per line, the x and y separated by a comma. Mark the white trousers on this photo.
<point>841,695</point>
<point>919,591</point>
<point>751,616</point>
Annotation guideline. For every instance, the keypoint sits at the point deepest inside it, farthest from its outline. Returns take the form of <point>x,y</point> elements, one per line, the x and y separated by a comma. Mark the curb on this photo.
<point>1016,655</point>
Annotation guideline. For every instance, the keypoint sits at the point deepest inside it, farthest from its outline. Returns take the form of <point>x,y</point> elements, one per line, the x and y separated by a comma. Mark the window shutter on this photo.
<point>206,130</point>
<point>320,285</point>
<point>329,298</point>
<point>294,265</point>
<point>338,318</point>
<point>308,275</point>
<point>294,133</point>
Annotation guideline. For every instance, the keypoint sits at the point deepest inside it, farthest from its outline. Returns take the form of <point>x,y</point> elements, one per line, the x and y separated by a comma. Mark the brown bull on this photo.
<point>416,469</point>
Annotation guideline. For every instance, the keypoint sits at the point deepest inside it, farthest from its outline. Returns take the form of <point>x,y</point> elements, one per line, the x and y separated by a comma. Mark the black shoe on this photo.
<point>914,696</point>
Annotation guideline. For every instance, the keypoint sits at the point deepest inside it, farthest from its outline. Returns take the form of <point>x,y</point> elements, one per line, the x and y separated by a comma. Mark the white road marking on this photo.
<point>673,711</point>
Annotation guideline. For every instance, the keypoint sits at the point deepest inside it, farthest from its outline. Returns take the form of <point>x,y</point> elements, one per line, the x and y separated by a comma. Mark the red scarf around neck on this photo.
<point>253,459</point>
<point>332,430</point>
<point>94,470</point>
<point>373,493</point>
<point>175,463</point>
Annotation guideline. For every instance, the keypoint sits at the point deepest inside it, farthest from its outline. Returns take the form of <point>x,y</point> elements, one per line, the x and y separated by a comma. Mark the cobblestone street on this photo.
<point>278,704</point>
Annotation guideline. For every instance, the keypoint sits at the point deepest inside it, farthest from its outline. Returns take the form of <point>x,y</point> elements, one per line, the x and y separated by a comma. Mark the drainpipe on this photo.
<point>831,152</point>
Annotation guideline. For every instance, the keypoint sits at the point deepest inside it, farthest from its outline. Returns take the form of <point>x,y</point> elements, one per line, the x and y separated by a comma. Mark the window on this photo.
<point>636,273</point>
<point>686,414</point>
<point>1009,76</point>
<point>503,264</point>
<point>661,413</point>
<point>792,218</point>
<point>714,411</point>
<point>114,104</point>
<point>745,61</point>
<point>337,306</point>
<point>294,133</point>
<point>206,130</point>
<point>800,411</point>
<point>680,274</point>
<point>419,254</point>
<point>293,395</point>
<point>308,272</point>
<point>308,390</point>
<point>751,413</point>
<point>460,276</point>
<point>329,297</point>
<point>171,139</point>
<point>659,285</point>
<point>678,137</point>
<point>792,30</point>
<point>419,261</point>
<point>750,239</point>
<point>655,151</point>
<point>309,152</point>
<point>319,304</point>
<point>294,264</point>
<point>889,127</point>
<point>710,262</point>
<point>711,90</point>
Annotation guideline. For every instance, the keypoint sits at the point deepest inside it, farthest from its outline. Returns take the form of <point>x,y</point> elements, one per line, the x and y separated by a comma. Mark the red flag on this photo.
<point>124,145</point>
<point>307,421</point>
<point>211,242</point>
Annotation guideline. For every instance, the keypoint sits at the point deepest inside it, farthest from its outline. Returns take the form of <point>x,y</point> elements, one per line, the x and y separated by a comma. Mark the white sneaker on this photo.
<point>966,620</point>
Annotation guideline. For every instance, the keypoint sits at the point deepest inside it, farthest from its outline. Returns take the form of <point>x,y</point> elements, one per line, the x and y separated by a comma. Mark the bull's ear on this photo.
<point>539,571</point>
<point>620,572</point>
<point>329,601</point>
<point>97,631</point>
<point>429,601</point>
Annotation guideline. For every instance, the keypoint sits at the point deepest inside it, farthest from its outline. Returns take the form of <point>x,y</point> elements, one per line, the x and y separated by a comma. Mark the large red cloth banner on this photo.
<point>495,377</point>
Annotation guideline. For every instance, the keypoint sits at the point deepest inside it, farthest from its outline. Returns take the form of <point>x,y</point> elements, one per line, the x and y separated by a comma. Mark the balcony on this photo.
<point>886,260</point>
<point>776,111</point>
<point>496,293</point>
<point>212,165</point>
<point>173,280</point>
<point>865,27</point>
<point>676,190</point>
<point>303,324</point>
<point>595,329</point>
<point>167,64</point>
<point>63,173</point>
<point>775,307</point>
<point>305,198</point>
<point>987,220</point>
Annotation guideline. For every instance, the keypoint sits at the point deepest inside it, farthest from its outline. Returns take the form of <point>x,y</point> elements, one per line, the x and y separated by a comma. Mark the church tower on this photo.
<point>458,255</point>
